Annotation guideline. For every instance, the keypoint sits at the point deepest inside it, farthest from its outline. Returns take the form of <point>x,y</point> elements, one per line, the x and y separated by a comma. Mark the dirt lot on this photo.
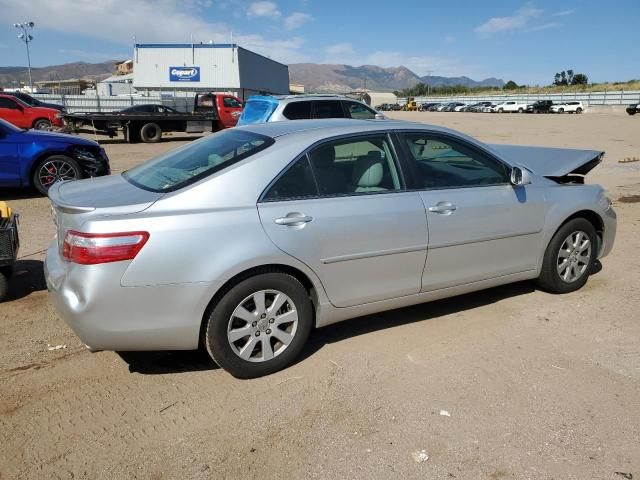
<point>536,385</point>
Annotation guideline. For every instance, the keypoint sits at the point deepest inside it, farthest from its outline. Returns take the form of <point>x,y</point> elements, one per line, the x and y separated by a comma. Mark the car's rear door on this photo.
<point>480,226</point>
<point>342,209</point>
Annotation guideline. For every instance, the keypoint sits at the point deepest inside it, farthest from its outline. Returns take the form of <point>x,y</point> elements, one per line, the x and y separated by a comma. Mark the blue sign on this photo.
<point>184,74</point>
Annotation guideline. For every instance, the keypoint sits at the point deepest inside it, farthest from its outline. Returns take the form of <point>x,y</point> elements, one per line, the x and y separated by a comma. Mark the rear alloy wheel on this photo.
<point>578,110</point>
<point>42,124</point>
<point>151,133</point>
<point>260,325</point>
<point>569,257</point>
<point>55,169</point>
<point>520,110</point>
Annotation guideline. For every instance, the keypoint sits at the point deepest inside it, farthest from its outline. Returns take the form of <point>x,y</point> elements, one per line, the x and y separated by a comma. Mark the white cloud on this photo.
<point>564,13</point>
<point>517,21</point>
<point>296,20</point>
<point>544,26</point>
<point>344,53</point>
<point>263,9</point>
<point>149,20</point>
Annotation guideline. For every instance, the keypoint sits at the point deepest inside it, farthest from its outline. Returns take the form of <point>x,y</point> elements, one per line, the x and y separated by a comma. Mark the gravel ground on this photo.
<point>506,383</point>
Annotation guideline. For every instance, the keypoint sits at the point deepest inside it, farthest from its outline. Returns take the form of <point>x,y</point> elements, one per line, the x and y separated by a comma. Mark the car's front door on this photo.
<point>9,165</point>
<point>342,210</point>
<point>480,226</point>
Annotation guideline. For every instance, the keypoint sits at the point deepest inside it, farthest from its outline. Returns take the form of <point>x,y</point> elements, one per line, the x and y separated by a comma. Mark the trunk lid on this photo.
<point>550,162</point>
<point>73,203</point>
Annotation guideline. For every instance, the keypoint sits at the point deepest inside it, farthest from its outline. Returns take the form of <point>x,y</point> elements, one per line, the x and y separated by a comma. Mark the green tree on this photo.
<point>511,85</point>
<point>579,79</point>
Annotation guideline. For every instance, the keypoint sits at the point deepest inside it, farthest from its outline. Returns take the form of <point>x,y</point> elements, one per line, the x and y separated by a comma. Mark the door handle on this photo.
<point>443,207</point>
<point>293,220</point>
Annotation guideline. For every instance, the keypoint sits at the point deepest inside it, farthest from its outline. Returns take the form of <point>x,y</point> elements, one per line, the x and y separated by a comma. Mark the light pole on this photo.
<point>26,37</point>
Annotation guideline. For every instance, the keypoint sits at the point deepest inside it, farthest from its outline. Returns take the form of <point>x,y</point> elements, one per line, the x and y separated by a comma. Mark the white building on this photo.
<point>206,67</point>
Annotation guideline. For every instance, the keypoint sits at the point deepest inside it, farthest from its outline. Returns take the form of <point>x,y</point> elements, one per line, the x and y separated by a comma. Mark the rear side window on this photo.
<point>197,160</point>
<point>357,110</point>
<point>328,109</point>
<point>297,111</point>
<point>297,182</point>
<point>257,111</point>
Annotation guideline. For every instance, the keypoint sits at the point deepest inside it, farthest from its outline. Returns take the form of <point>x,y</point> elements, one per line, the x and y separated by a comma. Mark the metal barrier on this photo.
<point>93,103</point>
<point>617,97</point>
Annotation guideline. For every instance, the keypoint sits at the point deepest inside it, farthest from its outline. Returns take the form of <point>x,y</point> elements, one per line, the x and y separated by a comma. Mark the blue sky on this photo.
<point>524,41</point>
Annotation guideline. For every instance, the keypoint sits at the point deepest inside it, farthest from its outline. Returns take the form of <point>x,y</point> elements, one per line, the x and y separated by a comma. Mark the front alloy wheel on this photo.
<point>568,259</point>
<point>55,169</point>
<point>574,257</point>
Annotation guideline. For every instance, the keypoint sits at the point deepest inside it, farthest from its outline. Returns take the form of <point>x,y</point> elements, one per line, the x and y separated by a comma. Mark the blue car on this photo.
<point>38,159</point>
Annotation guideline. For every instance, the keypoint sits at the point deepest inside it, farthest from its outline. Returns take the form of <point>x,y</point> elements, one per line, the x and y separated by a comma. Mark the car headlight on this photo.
<point>84,154</point>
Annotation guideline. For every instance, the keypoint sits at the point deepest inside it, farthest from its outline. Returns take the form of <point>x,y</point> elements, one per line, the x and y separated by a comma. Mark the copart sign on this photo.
<point>184,74</point>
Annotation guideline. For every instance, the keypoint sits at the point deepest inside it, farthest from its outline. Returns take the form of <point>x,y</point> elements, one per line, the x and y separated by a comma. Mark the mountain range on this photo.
<point>319,78</point>
<point>326,78</point>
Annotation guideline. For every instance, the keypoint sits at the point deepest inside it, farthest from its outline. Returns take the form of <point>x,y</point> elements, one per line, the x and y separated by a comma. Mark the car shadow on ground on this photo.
<point>9,194</point>
<point>404,316</point>
<point>121,141</point>
<point>28,277</point>
<point>154,363</point>
<point>162,363</point>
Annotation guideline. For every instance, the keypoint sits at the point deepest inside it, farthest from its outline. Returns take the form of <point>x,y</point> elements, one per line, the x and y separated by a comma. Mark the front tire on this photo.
<point>569,257</point>
<point>55,169</point>
<point>42,124</point>
<point>260,325</point>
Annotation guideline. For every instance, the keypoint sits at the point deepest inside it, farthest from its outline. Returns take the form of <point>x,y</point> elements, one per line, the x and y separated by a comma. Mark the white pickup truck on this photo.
<point>509,107</point>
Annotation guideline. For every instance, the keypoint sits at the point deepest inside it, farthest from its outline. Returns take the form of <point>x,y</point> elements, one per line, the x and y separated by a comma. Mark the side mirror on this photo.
<point>520,176</point>
<point>380,116</point>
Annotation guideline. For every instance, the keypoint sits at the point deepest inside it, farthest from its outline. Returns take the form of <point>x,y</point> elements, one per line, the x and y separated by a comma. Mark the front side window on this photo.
<point>188,164</point>
<point>328,109</point>
<point>298,111</point>
<point>359,111</point>
<point>440,162</point>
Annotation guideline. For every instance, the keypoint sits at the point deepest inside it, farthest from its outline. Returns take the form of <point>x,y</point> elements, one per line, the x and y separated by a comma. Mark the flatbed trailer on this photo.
<point>212,112</point>
<point>145,127</point>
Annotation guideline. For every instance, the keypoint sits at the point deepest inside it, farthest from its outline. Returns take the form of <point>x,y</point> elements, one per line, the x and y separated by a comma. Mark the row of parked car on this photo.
<point>510,106</point>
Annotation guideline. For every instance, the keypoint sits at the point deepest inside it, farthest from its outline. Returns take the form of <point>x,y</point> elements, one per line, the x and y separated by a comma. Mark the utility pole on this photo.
<point>27,38</point>
<point>429,72</point>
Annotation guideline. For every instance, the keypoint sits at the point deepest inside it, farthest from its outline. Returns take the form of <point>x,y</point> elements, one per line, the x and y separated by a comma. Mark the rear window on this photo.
<point>197,160</point>
<point>257,111</point>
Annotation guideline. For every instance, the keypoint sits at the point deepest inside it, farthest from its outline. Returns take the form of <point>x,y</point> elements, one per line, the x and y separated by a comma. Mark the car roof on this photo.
<point>337,126</point>
<point>300,98</point>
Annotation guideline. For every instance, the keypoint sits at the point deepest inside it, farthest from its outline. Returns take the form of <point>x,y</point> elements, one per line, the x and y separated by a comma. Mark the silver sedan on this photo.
<point>246,240</point>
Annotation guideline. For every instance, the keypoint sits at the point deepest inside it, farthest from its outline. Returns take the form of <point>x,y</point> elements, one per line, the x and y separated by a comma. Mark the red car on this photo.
<point>20,114</point>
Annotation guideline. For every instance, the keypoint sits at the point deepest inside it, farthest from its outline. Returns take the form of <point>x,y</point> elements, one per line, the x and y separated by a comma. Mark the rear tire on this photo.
<point>520,110</point>
<point>569,257</point>
<point>151,133</point>
<point>578,110</point>
<point>247,337</point>
<point>42,124</point>
<point>54,169</point>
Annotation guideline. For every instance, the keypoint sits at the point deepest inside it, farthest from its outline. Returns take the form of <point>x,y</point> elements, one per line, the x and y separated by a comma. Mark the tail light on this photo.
<point>95,248</point>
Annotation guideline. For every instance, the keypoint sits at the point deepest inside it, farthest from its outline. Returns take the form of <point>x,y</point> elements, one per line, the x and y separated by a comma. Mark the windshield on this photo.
<point>257,110</point>
<point>197,160</point>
